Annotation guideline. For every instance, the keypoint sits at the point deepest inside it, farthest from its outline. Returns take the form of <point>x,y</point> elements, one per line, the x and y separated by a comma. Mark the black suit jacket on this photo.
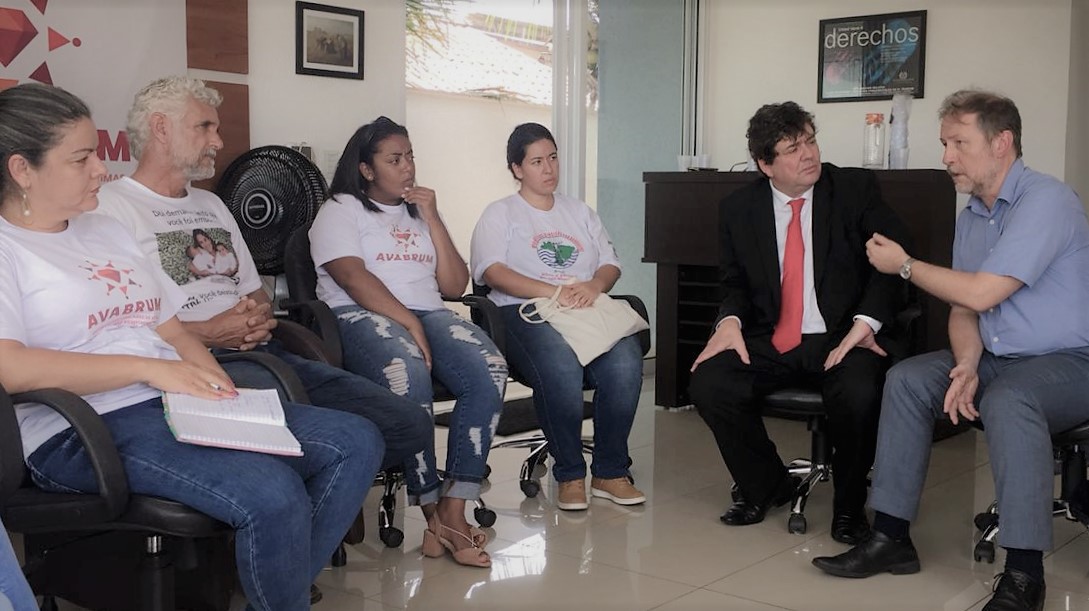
<point>847,211</point>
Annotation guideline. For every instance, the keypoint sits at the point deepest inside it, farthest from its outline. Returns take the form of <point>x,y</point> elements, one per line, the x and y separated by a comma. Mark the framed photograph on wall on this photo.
<point>328,41</point>
<point>871,57</point>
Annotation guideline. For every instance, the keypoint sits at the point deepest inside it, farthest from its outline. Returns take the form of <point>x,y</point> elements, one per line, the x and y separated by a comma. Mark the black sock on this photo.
<point>1028,561</point>
<point>892,527</point>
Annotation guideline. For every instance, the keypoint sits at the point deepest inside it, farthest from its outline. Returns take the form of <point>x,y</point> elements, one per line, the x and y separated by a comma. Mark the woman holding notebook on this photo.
<point>81,309</point>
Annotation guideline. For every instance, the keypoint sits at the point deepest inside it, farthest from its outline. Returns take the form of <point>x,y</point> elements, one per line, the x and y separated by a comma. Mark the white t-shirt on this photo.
<point>86,289</point>
<point>392,245</point>
<point>163,227</point>
<point>563,245</point>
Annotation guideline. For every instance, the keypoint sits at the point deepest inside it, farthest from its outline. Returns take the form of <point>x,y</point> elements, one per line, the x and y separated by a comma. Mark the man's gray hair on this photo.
<point>168,96</point>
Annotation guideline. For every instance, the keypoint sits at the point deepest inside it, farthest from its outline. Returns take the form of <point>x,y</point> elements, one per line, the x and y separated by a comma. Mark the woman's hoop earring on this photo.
<point>26,206</point>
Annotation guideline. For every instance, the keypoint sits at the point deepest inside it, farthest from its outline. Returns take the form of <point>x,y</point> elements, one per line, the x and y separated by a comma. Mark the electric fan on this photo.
<point>271,191</point>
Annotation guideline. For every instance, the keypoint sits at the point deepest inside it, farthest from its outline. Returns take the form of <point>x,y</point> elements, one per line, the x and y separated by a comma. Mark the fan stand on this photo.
<point>277,285</point>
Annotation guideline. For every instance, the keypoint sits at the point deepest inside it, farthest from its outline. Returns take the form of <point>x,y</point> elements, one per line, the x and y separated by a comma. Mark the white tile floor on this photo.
<point>673,554</point>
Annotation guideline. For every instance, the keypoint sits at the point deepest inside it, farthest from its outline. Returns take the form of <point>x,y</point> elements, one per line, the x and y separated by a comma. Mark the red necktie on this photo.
<point>788,331</point>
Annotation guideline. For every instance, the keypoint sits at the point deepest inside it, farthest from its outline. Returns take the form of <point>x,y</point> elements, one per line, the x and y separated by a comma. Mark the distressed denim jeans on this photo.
<point>289,513</point>
<point>463,359</point>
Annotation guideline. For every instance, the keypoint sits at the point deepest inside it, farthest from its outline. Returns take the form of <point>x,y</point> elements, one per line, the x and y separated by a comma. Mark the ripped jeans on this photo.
<point>463,359</point>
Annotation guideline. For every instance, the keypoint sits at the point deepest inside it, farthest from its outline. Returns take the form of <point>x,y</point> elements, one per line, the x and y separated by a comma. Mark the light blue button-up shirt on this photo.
<point>1038,233</point>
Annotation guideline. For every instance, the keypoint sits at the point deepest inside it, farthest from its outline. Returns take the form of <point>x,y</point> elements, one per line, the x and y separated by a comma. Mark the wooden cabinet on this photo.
<point>681,236</point>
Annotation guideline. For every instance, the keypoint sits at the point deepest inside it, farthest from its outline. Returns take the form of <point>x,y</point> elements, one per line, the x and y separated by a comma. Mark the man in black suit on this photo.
<point>801,304</point>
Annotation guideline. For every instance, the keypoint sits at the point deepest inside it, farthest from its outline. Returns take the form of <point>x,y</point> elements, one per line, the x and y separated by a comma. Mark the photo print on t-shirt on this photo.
<point>191,255</point>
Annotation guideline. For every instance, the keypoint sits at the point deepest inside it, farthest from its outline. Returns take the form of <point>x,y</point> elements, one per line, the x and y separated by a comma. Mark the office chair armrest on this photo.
<point>907,318</point>
<point>486,315</point>
<point>286,377</point>
<point>113,484</point>
<point>299,340</point>
<point>316,316</point>
<point>640,309</point>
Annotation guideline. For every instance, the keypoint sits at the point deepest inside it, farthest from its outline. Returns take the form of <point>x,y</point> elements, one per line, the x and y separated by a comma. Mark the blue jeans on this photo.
<point>12,583</point>
<point>1021,401</point>
<point>463,359</point>
<point>289,513</point>
<point>406,428</point>
<point>541,355</point>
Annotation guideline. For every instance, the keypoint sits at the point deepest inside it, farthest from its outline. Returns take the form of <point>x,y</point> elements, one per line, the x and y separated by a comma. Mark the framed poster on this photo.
<point>871,57</point>
<point>328,41</point>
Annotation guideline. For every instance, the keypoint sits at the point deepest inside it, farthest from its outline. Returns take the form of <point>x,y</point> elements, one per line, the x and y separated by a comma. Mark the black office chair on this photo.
<point>807,403</point>
<point>1070,462</point>
<point>160,540</point>
<point>305,308</point>
<point>533,465</point>
<point>60,531</point>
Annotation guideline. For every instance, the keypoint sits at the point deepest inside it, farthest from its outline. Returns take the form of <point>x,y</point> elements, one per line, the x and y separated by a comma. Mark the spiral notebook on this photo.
<point>253,421</point>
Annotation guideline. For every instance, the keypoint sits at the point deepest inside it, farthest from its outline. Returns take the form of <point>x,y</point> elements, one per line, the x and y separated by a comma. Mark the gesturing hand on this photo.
<point>726,337</point>
<point>860,336</point>
<point>884,254</point>
<point>960,398</point>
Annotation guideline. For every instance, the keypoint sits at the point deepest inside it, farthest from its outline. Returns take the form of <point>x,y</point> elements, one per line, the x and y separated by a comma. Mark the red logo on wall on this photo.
<point>17,31</point>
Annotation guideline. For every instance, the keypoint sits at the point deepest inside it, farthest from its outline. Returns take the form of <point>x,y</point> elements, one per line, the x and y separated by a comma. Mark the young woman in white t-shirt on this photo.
<point>384,262</point>
<point>82,309</point>
<point>526,245</point>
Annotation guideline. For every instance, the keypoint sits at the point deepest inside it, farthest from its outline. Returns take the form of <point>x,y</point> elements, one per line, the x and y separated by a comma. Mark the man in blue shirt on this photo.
<point>1020,349</point>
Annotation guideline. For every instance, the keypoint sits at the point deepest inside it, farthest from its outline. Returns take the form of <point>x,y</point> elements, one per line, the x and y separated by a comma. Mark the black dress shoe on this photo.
<point>744,512</point>
<point>878,554</point>
<point>315,594</point>
<point>850,528</point>
<point>1016,591</point>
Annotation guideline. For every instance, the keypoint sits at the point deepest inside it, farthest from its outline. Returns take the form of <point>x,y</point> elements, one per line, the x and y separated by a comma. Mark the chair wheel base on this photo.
<point>340,557</point>
<point>391,536</point>
<point>984,552</point>
<point>797,524</point>
<point>485,517</point>
<point>985,520</point>
<point>530,488</point>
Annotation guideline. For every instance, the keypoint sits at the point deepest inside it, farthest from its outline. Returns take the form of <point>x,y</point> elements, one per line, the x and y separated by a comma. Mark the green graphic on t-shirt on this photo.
<point>561,252</point>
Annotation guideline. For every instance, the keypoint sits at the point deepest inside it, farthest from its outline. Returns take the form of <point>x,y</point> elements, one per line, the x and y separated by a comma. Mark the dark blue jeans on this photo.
<point>289,513</point>
<point>464,359</point>
<point>541,355</point>
<point>405,426</point>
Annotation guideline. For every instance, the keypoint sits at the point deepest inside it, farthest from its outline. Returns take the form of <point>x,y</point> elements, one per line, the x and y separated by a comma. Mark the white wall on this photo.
<point>461,152</point>
<point>1077,140</point>
<point>287,108</point>
<point>763,51</point>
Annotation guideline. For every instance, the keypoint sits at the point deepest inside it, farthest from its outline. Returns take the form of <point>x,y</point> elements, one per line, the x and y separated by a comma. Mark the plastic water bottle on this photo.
<point>873,141</point>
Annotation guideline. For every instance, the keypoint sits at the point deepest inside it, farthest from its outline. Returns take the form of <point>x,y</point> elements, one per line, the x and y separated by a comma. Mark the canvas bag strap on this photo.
<point>539,309</point>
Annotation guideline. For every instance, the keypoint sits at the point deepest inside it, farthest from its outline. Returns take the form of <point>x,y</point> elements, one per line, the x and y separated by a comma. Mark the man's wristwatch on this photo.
<point>905,268</point>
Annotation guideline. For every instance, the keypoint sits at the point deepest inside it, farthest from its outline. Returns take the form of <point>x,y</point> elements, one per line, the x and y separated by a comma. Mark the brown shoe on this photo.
<point>619,490</point>
<point>572,495</point>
